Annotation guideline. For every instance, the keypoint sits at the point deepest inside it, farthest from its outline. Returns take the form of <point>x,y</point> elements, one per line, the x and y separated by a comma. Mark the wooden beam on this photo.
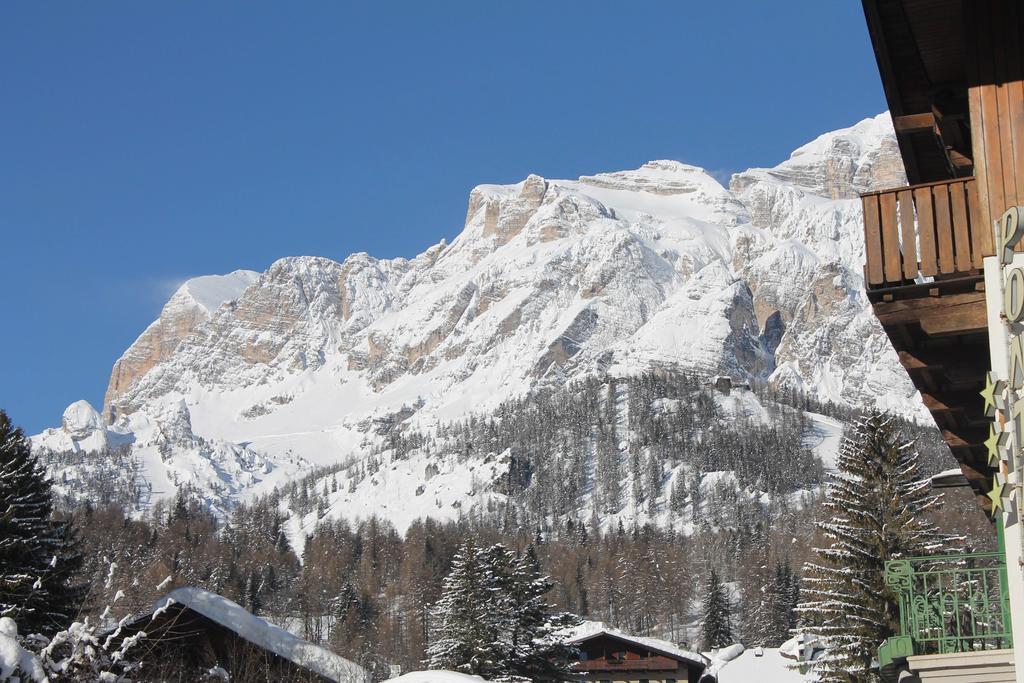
<point>912,362</point>
<point>956,410</point>
<point>951,314</point>
<point>961,229</point>
<point>907,229</point>
<point>901,337</point>
<point>926,229</point>
<point>944,229</point>
<point>962,442</point>
<point>963,364</point>
<point>937,405</point>
<point>959,161</point>
<point>891,256</point>
<point>913,123</point>
<point>873,241</point>
<point>972,474</point>
<point>962,319</point>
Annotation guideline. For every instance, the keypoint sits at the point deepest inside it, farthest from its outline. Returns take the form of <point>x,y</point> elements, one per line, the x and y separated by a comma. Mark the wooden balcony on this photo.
<point>924,246</point>
<point>925,235</point>
<point>653,663</point>
<point>949,604</point>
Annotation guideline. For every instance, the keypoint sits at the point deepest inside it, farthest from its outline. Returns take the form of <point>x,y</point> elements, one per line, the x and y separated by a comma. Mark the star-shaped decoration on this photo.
<point>992,388</point>
<point>994,443</point>
<point>996,495</point>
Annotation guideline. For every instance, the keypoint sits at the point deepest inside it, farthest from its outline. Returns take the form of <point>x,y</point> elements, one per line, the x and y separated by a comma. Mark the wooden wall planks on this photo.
<point>996,94</point>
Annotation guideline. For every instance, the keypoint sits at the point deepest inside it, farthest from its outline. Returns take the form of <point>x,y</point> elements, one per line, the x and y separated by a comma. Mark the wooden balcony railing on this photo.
<point>653,663</point>
<point>929,230</point>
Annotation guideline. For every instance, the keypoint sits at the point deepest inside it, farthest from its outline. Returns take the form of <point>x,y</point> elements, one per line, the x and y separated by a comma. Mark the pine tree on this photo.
<point>786,593</point>
<point>64,595</point>
<point>463,628</point>
<point>38,555</point>
<point>537,652</point>
<point>716,618</point>
<point>878,501</point>
<point>756,587</point>
<point>492,619</point>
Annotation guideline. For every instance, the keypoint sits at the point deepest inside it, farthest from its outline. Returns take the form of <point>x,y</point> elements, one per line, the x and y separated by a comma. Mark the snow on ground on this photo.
<point>742,404</point>
<point>824,437</point>
<point>418,486</point>
<point>771,667</point>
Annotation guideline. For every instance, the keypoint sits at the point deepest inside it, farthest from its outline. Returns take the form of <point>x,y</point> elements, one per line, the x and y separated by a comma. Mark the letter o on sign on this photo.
<point>1013,295</point>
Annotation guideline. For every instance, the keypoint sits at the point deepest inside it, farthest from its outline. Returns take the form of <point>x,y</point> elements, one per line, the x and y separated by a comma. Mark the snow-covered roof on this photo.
<point>949,479</point>
<point>267,636</point>
<point>591,629</point>
<point>771,666</point>
<point>436,677</point>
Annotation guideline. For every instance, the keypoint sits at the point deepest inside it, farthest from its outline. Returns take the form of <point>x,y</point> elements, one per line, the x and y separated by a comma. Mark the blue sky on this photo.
<point>144,143</point>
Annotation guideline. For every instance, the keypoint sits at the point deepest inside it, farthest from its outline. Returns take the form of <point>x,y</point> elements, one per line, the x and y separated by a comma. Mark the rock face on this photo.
<point>191,305</point>
<point>803,258</point>
<point>611,274</point>
<point>838,165</point>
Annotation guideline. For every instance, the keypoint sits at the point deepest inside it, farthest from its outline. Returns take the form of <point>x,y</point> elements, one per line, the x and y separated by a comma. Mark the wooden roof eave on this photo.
<point>702,662</point>
<point>889,84</point>
<point>924,84</point>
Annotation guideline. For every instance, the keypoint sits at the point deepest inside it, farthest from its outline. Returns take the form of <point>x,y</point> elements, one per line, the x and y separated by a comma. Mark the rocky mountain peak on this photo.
<point>80,420</point>
<point>662,177</point>
<point>612,274</point>
<point>194,302</point>
<point>840,164</point>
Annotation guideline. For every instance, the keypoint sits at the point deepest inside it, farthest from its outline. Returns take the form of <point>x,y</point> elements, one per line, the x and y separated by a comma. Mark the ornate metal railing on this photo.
<point>947,604</point>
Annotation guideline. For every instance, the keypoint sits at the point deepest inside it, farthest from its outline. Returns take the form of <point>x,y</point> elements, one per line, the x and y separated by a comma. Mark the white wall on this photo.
<point>998,339</point>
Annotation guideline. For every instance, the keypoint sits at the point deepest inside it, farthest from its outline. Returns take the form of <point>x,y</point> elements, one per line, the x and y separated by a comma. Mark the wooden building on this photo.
<point>615,657</point>
<point>953,76</point>
<point>190,632</point>
<point>951,71</point>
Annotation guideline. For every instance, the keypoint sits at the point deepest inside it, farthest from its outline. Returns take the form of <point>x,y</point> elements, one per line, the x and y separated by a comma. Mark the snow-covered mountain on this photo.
<point>246,380</point>
<point>192,304</point>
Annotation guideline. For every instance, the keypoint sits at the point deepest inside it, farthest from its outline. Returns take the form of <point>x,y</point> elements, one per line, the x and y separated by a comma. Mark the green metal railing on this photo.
<point>947,604</point>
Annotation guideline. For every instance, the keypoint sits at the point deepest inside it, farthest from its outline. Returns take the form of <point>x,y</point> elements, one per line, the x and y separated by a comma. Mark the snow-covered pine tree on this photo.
<point>783,591</point>
<point>878,502</point>
<point>463,625</point>
<point>716,616</point>
<point>538,651</point>
<point>37,554</point>
<point>492,619</point>
<point>63,592</point>
<point>786,591</point>
<point>756,609</point>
